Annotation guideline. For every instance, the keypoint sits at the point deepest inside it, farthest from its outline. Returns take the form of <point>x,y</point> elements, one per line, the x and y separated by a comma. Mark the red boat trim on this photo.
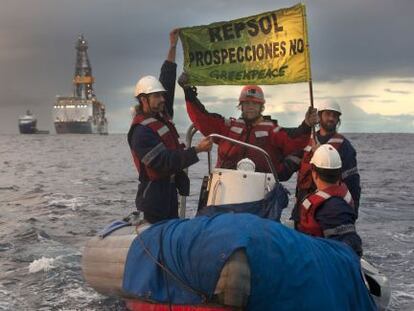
<point>138,305</point>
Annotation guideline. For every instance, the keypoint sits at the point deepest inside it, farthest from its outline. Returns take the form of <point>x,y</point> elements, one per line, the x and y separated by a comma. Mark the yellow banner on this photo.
<point>269,48</point>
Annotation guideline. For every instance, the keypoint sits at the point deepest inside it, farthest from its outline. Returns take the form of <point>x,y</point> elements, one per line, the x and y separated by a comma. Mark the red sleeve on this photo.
<point>287,144</point>
<point>207,123</point>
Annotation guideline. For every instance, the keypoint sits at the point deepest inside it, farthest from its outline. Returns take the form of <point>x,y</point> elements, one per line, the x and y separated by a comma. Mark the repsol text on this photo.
<point>228,31</point>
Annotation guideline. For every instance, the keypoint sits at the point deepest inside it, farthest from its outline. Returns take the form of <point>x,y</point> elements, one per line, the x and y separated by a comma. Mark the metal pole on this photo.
<point>311,103</point>
<point>183,200</point>
<point>311,92</point>
<point>305,31</point>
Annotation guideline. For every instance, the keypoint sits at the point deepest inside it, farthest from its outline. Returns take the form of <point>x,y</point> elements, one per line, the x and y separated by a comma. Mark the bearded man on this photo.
<point>159,157</point>
<point>329,113</point>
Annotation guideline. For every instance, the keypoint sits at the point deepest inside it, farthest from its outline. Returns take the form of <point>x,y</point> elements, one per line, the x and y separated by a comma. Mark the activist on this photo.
<point>153,139</point>
<point>252,127</point>
<point>329,212</point>
<point>329,114</point>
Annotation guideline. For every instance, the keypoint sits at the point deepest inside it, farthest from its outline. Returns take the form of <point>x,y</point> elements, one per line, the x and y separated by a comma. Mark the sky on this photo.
<point>361,55</point>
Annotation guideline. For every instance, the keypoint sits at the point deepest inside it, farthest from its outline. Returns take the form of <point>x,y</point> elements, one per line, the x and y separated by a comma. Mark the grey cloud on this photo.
<point>361,38</point>
<point>354,119</point>
<point>348,97</point>
<point>219,100</point>
<point>379,123</point>
<point>396,91</point>
<point>401,81</point>
<point>292,102</point>
<point>130,38</point>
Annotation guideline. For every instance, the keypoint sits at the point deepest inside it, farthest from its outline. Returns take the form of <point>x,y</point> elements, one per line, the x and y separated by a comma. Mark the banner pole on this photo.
<point>311,93</point>
<point>305,31</point>
<point>311,103</point>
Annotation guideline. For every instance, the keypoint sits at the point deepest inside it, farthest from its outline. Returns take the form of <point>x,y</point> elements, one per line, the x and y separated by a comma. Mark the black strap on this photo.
<point>169,272</point>
<point>340,230</point>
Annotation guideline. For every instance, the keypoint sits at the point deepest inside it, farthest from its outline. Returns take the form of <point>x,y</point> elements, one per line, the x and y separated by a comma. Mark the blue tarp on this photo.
<point>270,207</point>
<point>289,270</point>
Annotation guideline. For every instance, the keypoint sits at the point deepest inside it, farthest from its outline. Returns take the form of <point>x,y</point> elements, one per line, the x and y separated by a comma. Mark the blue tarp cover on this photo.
<point>289,270</point>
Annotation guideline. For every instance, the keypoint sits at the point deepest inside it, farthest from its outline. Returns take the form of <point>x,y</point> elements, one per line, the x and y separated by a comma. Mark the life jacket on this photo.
<point>229,154</point>
<point>168,134</point>
<point>307,223</point>
<point>305,181</point>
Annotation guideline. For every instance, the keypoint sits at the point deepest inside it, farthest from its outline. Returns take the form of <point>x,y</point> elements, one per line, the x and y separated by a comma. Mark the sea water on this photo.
<point>57,191</point>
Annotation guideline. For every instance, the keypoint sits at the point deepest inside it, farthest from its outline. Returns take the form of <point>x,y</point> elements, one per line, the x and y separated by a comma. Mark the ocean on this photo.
<point>57,191</point>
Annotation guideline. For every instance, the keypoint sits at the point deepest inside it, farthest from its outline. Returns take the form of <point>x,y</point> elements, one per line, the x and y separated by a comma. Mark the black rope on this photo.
<point>171,274</point>
<point>165,274</point>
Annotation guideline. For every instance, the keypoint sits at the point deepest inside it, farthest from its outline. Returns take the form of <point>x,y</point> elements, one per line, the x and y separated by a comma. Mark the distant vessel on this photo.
<point>81,113</point>
<point>27,123</point>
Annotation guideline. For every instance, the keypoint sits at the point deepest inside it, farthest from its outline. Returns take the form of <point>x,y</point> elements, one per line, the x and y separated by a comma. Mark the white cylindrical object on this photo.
<point>234,186</point>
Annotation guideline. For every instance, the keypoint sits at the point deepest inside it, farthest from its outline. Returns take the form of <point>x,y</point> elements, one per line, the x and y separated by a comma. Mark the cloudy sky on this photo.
<point>361,54</point>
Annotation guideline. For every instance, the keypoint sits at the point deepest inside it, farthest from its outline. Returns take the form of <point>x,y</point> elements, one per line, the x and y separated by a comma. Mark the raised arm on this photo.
<point>207,123</point>
<point>168,73</point>
<point>287,144</point>
<point>174,34</point>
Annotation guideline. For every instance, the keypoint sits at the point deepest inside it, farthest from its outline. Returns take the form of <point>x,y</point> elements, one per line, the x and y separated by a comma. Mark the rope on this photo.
<point>171,274</point>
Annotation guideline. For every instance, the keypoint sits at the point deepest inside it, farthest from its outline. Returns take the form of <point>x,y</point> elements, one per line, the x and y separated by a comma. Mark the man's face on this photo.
<point>155,102</point>
<point>329,120</point>
<point>251,110</point>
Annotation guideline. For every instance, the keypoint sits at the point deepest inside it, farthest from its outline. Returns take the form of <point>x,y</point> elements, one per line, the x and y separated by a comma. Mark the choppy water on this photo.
<point>58,191</point>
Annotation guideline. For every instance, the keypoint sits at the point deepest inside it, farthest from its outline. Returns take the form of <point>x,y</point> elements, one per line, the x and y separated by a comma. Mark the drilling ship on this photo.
<point>81,113</point>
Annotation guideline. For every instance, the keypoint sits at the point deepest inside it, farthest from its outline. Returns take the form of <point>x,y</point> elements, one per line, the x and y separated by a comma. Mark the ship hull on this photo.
<point>28,128</point>
<point>73,128</point>
<point>78,127</point>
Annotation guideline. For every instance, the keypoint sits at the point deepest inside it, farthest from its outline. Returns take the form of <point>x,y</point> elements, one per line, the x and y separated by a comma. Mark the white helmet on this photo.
<point>330,105</point>
<point>148,85</point>
<point>326,157</point>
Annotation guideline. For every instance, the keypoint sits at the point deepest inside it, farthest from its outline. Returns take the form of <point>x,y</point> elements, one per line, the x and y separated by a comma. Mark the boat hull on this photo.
<point>73,128</point>
<point>27,127</point>
<point>74,115</point>
<point>79,127</point>
<point>103,264</point>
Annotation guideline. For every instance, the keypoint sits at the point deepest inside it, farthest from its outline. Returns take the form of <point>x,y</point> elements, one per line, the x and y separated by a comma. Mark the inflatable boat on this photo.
<point>239,260</point>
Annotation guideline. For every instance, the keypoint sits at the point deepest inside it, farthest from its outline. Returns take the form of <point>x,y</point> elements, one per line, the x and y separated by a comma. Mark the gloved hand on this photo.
<point>189,91</point>
<point>311,117</point>
<point>183,80</point>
